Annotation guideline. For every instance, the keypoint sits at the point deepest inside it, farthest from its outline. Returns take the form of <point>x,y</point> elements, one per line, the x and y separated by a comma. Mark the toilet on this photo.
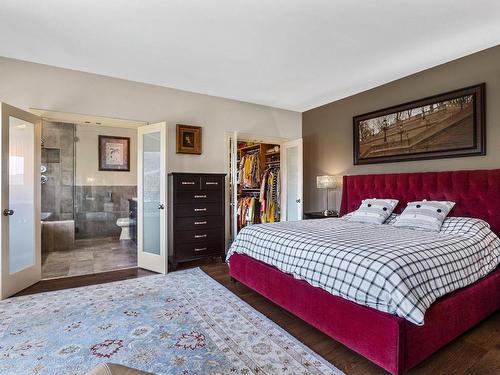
<point>124,223</point>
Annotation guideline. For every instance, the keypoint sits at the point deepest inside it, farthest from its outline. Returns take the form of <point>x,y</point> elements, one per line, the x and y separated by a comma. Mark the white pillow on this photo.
<point>424,215</point>
<point>374,211</point>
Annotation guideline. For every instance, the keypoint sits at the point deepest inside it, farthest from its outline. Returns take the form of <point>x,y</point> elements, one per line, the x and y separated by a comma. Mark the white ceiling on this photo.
<point>293,54</point>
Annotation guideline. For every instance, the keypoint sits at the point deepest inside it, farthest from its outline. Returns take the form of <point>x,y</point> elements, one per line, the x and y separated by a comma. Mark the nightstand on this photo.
<point>318,215</point>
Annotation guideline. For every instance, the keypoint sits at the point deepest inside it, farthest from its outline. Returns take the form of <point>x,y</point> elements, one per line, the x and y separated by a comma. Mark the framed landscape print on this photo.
<point>114,153</point>
<point>441,126</point>
<point>188,139</point>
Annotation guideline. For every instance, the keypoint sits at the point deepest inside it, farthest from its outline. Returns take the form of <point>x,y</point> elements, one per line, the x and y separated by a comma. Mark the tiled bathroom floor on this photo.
<point>90,256</point>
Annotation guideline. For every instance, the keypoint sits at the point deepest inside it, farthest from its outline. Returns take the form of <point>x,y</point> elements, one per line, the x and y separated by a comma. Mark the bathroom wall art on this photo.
<point>114,153</point>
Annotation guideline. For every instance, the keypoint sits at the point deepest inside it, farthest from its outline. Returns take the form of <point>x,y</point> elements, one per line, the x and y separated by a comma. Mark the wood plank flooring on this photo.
<point>84,280</point>
<point>477,352</point>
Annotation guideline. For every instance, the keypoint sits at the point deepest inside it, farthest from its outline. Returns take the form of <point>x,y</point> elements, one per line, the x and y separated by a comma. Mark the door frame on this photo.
<point>13,283</point>
<point>293,143</point>
<point>153,262</point>
<point>244,137</point>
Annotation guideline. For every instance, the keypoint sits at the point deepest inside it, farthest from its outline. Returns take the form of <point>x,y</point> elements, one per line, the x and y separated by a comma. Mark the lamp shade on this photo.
<point>327,182</point>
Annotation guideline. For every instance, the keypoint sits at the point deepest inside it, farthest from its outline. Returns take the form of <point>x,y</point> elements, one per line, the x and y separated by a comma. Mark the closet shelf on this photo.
<point>252,147</point>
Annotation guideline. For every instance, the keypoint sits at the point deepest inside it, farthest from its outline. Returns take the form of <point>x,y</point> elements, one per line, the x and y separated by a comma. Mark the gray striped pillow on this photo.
<point>374,211</point>
<point>424,215</point>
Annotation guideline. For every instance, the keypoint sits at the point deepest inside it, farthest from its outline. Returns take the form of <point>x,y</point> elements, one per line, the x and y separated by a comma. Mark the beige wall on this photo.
<point>29,85</point>
<point>328,133</point>
<point>86,152</point>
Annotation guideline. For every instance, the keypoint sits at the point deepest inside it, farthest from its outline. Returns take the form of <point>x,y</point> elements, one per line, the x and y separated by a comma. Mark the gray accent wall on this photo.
<point>328,132</point>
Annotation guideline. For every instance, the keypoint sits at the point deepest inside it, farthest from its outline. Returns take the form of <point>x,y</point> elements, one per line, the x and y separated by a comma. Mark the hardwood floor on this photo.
<point>477,352</point>
<point>84,280</point>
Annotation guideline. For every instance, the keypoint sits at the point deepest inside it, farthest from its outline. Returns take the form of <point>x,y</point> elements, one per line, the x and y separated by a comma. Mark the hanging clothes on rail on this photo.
<point>269,196</point>
<point>248,211</point>
<point>249,171</point>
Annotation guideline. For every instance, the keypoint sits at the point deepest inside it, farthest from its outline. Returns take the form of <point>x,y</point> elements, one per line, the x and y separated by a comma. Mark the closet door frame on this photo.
<point>298,199</point>
<point>231,201</point>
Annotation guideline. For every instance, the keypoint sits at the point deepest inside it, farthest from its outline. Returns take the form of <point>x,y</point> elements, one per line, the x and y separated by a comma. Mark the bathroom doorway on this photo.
<point>88,211</point>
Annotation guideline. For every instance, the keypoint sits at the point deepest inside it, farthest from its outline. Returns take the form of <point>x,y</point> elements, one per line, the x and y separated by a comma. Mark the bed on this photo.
<point>396,343</point>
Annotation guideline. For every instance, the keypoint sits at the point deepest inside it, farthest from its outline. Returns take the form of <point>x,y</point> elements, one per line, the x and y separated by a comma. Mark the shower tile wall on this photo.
<point>58,158</point>
<point>98,207</point>
<point>94,209</point>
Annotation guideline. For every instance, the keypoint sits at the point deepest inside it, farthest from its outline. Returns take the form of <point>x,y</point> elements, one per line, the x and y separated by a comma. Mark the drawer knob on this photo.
<point>200,196</point>
<point>200,209</point>
<point>200,248</point>
<point>211,183</point>
<point>200,235</point>
<point>187,182</point>
<point>200,222</point>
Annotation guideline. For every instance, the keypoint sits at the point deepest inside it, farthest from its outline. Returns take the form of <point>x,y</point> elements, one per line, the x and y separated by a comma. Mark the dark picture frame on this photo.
<point>114,153</point>
<point>188,139</point>
<point>446,125</point>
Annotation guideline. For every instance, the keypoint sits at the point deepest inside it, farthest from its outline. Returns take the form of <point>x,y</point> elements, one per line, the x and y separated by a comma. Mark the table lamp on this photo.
<point>327,182</point>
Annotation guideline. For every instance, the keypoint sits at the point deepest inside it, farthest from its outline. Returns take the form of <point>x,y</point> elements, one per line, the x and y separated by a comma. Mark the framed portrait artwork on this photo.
<point>114,153</point>
<point>188,139</point>
<point>441,126</point>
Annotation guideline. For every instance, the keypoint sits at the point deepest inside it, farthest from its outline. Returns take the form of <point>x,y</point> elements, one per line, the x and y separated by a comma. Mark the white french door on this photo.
<point>291,175</point>
<point>20,260</point>
<point>152,251</point>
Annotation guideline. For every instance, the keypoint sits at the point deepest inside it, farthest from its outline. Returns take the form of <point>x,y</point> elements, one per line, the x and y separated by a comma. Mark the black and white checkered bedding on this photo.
<point>395,270</point>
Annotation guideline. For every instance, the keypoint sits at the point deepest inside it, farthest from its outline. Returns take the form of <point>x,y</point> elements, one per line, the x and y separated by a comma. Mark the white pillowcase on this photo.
<point>424,215</point>
<point>374,211</point>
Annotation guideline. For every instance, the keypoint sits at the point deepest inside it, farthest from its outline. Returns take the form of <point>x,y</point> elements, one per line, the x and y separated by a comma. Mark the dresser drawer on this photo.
<point>212,183</point>
<point>197,209</point>
<point>190,196</point>
<point>193,250</point>
<point>196,223</point>
<point>183,183</point>
<point>198,236</point>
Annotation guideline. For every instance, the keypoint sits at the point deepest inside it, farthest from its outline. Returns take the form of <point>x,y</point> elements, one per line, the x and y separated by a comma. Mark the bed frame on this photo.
<point>387,340</point>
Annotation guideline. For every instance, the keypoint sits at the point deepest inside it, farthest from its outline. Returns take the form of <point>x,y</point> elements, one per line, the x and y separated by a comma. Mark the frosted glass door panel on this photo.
<point>20,253</point>
<point>292,184</point>
<point>21,194</point>
<point>151,192</point>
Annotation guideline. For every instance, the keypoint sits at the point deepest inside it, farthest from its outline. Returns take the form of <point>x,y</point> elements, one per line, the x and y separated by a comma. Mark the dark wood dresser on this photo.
<point>196,216</point>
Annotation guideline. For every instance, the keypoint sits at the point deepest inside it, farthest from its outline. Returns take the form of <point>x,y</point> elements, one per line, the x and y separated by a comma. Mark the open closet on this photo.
<point>265,181</point>
<point>258,183</point>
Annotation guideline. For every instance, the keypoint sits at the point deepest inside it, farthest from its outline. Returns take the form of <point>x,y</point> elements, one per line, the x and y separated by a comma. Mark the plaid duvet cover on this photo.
<point>394,270</point>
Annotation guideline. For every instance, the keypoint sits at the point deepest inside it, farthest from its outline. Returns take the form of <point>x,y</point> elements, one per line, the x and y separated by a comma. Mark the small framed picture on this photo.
<point>114,153</point>
<point>188,139</point>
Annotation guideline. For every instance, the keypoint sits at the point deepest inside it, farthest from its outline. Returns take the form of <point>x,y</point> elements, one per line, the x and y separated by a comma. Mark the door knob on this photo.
<point>297,200</point>
<point>8,212</point>
<point>161,207</point>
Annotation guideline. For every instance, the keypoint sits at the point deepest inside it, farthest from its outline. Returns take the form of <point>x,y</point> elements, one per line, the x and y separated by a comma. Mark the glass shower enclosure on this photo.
<point>58,189</point>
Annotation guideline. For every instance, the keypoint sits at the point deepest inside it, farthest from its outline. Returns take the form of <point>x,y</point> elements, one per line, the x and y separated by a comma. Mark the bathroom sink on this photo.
<point>46,216</point>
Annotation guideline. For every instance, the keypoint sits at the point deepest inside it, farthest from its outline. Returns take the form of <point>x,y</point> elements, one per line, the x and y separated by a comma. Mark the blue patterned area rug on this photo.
<point>182,323</point>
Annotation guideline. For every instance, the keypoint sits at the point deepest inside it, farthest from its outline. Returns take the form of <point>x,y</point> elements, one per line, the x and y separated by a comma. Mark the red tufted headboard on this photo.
<point>476,193</point>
